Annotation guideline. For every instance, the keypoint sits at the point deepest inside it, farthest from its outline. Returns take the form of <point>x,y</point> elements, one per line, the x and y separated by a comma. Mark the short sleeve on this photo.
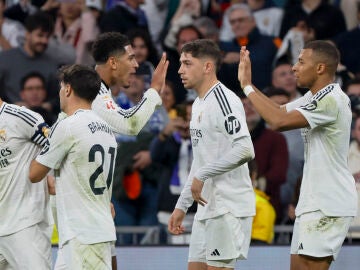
<point>60,141</point>
<point>320,112</point>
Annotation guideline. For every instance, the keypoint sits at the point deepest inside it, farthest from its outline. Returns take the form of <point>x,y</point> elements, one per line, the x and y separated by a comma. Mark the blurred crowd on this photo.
<point>39,36</point>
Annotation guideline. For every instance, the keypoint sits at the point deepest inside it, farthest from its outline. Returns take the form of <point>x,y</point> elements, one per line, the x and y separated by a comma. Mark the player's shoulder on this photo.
<point>222,98</point>
<point>21,114</point>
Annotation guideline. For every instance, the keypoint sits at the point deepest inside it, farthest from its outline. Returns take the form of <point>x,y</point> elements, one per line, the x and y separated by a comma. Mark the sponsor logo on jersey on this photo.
<point>232,125</point>
<point>2,135</point>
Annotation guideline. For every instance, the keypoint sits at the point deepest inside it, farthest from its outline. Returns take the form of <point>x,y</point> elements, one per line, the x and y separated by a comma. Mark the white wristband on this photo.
<point>248,89</point>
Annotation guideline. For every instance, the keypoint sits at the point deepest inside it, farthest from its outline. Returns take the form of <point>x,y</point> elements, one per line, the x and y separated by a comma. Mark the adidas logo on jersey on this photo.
<point>215,253</point>
<point>301,246</point>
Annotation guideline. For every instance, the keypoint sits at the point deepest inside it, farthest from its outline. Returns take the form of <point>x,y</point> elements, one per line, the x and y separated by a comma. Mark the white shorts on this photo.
<point>317,235</point>
<point>74,255</point>
<point>29,248</point>
<point>220,241</point>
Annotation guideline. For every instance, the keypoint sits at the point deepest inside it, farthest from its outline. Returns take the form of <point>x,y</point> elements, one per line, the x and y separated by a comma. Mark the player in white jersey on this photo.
<point>219,177</point>
<point>82,151</point>
<point>115,62</point>
<point>24,211</point>
<point>328,199</point>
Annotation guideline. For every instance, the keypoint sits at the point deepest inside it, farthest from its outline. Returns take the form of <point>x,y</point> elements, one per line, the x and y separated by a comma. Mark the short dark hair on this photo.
<point>32,74</point>
<point>83,80</point>
<point>201,48</point>
<point>326,52</point>
<point>109,44</point>
<point>39,20</point>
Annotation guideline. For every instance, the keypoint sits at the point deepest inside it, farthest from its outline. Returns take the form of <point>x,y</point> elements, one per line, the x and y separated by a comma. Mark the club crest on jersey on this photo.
<point>45,131</point>
<point>310,107</point>
<point>232,125</point>
<point>2,135</point>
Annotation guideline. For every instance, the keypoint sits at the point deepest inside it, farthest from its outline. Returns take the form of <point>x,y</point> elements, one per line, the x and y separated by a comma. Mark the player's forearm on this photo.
<point>186,199</point>
<point>37,171</point>
<point>271,113</point>
<point>242,151</point>
<point>130,121</point>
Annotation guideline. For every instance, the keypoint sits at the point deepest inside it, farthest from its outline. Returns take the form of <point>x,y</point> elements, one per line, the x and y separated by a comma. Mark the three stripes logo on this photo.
<point>215,253</point>
<point>301,246</point>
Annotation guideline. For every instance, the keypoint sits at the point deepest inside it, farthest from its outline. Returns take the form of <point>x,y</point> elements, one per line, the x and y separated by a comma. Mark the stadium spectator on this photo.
<point>33,95</point>
<point>348,44</point>
<point>136,198</point>
<point>11,32</point>
<point>267,17</point>
<point>123,16</point>
<point>283,77</point>
<point>17,62</point>
<point>354,166</point>
<point>77,26</point>
<point>172,149</point>
<point>246,33</point>
<point>295,146</point>
<point>264,220</point>
<point>145,53</point>
<point>326,20</point>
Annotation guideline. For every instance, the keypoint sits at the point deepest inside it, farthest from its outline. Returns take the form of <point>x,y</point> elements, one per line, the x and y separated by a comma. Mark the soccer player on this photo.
<point>328,201</point>
<point>25,226</point>
<point>219,176</point>
<point>82,151</point>
<point>115,62</point>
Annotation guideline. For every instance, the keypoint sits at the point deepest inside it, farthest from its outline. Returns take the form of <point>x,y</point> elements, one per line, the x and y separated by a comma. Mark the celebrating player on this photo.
<point>328,199</point>
<point>219,177</point>
<point>82,150</point>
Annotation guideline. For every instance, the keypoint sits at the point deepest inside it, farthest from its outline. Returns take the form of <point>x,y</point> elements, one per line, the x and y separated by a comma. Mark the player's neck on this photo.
<point>206,85</point>
<point>104,74</point>
<point>77,105</point>
<point>320,84</point>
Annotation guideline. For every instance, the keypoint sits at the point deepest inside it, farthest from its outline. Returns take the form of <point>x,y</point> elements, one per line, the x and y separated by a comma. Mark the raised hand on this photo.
<point>159,75</point>
<point>244,70</point>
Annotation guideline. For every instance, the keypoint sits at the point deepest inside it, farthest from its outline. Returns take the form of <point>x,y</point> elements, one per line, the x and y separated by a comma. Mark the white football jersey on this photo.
<point>128,122</point>
<point>217,121</point>
<point>82,150</point>
<point>327,184</point>
<point>22,204</point>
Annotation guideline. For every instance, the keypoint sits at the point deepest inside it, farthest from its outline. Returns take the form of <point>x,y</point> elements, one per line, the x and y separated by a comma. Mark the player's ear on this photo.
<point>208,66</point>
<point>112,62</point>
<point>68,90</point>
<point>321,67</point>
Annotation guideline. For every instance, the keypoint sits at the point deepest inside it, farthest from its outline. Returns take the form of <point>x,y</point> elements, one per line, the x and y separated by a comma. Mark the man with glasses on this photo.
<point>246,33</point>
